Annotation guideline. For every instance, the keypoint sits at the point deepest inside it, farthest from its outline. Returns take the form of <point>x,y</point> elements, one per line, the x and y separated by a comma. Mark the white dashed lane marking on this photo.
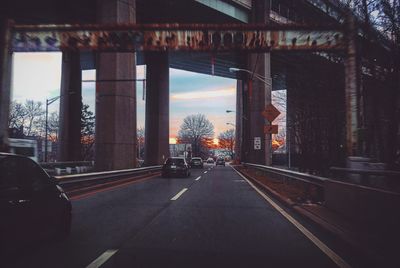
<point>179,194</point>
<point>102,258</point>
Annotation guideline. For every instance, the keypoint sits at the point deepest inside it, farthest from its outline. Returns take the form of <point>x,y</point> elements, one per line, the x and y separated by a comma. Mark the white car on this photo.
<point>210,161</point>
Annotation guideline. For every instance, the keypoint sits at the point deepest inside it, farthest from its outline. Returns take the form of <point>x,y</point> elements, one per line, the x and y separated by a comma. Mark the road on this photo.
<point>215,218</point>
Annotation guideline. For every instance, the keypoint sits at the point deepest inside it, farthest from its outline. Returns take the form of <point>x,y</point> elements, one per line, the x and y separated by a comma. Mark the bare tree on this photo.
<point>194,129</point>
<point>226,140</point>
<point>87,132</point>
<point>140,135</point>
<point>17,115</point>
<point>53,126</point>
<point>34,110</point>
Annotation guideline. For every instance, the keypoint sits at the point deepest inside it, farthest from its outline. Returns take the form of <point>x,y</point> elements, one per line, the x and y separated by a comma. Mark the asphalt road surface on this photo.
<point>215,218</point>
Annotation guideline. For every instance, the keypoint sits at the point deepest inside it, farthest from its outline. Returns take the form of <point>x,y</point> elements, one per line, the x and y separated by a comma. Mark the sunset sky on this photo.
<point>37,76</point>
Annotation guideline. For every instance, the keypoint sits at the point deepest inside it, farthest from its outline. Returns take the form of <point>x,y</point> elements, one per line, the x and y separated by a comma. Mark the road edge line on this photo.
<point>324,248</point>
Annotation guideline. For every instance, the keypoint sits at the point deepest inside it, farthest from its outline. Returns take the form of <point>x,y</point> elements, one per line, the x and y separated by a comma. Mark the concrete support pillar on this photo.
<point>157,108</point>
<point>259,92</point>
<point>115,140</point>
<point>259,96</point>
<point>239,119</point>
<point>5,81</point>
<point>70,108</point>
<point>290,119</point>
<point>351,89</point>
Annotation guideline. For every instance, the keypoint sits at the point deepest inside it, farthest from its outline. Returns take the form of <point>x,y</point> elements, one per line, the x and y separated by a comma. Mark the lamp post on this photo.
<point>48,102</point>
<point>268,82</point>
<point>236,145</point>
<point>238,135</point>
<point>263,79</point>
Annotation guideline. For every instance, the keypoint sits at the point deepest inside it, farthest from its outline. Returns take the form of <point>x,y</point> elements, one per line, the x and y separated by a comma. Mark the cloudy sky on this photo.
<point>36,76</point>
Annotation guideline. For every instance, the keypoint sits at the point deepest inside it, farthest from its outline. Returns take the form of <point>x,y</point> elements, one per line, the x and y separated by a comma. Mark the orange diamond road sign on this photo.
<point>271,129</point>
<point>270,112</point>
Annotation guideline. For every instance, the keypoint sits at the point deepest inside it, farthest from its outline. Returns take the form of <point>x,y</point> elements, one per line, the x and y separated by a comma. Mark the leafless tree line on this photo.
<point>30,116</point>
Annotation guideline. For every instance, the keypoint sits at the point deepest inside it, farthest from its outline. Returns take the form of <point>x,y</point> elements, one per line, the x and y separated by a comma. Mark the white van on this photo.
<point>24,147</point>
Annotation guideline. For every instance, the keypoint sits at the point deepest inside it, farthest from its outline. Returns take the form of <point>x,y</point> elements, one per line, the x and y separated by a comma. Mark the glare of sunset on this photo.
<point>172,140</point>
<point>215,141</point>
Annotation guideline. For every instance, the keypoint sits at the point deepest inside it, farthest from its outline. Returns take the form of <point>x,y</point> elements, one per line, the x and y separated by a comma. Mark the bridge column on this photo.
<point>5,81</point>
<point>115,140</point>
<point>157,108</point>
<point>259,93</point>
<point>352,90</point>
<point>69,148</point>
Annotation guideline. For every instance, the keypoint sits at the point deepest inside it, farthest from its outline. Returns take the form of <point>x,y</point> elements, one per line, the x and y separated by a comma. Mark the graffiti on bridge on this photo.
<point>122,38</point>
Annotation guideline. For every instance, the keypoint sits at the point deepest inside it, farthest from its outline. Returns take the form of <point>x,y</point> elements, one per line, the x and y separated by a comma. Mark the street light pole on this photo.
<point>263,79</point>
<point>48,102</point>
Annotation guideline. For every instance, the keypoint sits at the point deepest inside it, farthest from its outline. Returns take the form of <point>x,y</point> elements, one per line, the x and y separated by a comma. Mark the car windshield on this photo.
<point>175,161</point>
<point>196,159</point>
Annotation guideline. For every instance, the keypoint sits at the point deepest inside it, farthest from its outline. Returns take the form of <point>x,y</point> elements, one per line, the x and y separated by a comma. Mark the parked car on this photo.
<point>196,162</point>
<point>210,161</point>
<point>33,206</point>
<point>220,161</point>
<point>176,166</point>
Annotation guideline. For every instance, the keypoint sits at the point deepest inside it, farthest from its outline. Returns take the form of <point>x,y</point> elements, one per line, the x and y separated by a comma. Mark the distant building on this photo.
<point>183,150</point>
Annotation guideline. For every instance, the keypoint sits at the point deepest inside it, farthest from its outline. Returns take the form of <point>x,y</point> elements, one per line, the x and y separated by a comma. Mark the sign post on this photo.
<point>257,143</point>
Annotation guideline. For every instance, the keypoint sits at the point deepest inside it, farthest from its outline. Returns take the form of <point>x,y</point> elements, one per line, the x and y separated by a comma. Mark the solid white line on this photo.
<point>102,258</point>
<point>205,172</point>
<point>179,194</point>
<point>198,178</point>
<point>324,248</point>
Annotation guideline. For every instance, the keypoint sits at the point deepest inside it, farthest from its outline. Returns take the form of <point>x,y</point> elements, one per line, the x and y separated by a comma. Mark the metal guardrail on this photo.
<point>300,187</point>
<point>382,179</point>
<point>307,178</point>
<point>49,165</point>
<point>368,172</point>
<point>106,175</point>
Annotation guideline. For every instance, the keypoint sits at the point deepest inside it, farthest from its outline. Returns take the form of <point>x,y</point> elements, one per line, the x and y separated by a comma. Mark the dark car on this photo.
<point>210,161</point>
<point>33,206</point>
<point>220,161</point>
<point>196,162</point>
<point>176,166</point>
